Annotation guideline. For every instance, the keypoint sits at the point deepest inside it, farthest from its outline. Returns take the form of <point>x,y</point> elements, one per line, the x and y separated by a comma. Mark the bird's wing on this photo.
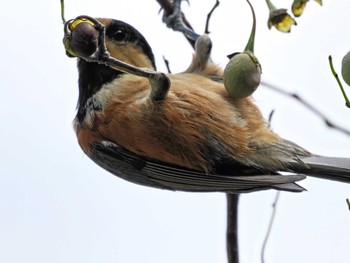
<point>144,171</point>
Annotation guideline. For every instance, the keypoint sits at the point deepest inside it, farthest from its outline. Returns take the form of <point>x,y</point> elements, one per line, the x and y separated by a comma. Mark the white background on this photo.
<point>58,206</point>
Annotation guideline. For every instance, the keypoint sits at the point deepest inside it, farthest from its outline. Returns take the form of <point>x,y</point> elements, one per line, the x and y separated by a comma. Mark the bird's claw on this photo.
<point>176,22</point>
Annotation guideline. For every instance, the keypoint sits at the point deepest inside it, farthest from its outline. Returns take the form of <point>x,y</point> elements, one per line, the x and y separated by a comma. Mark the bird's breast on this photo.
<point>196,123</point>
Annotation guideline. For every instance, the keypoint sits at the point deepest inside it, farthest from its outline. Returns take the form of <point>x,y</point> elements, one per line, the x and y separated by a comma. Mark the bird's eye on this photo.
<point>120,35</point>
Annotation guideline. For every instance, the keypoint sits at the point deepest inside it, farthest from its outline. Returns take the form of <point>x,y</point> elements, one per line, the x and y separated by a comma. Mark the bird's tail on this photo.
<point>331,168</point>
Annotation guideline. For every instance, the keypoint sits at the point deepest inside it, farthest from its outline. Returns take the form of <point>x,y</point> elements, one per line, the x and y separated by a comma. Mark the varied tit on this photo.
<point>197,138</point>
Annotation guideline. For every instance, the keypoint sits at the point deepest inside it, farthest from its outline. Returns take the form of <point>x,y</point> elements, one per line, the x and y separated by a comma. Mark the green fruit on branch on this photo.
<point>242,74</point>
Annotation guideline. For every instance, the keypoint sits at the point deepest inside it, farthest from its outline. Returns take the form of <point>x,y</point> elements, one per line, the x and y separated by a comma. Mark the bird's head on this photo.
<point>124,43</point>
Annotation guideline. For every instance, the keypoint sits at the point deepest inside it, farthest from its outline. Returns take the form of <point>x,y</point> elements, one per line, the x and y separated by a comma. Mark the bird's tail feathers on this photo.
<point>331,168</point>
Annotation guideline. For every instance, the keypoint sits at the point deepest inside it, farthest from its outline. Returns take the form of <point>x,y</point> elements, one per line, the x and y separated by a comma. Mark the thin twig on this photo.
<point>166,62</point>
<point>348,202</point>
<point>309,106</point>
<point>232,228</point>
<point>270,117</point>
<point>335,74</point>
<point>274,209</point>
<point>217,3</point>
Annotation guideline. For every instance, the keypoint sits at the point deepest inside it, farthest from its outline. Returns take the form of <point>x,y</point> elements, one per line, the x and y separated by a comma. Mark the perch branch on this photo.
<point>232,228</point>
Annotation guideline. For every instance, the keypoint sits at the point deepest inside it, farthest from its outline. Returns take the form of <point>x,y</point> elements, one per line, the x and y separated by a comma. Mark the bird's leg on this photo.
<point>201,61</point>
<point>159,82</point>
<point>175,20</point>
<point>201,56</point>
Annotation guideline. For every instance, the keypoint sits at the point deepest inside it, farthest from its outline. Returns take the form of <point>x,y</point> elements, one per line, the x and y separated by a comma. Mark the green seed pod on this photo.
<point>242,75</point>
<point>345,68</point>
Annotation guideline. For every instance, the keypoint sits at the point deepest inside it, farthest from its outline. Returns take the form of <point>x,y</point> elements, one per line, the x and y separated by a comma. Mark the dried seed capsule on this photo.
<point>84,39</point>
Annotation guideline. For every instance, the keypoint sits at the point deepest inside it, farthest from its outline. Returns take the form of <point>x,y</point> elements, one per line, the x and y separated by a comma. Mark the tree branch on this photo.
<point>232,228</point>
<point>217,3</point>
<point>274,209</point>
<point>309,106</point>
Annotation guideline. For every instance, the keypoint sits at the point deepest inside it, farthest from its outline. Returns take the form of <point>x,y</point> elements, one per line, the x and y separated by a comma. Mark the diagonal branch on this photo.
<point>309,106</point>
<point>274,210</point>
<point>217,3</point>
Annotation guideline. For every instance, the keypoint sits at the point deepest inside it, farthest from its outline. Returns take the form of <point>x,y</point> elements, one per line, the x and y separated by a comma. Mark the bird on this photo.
<point>195,138</point>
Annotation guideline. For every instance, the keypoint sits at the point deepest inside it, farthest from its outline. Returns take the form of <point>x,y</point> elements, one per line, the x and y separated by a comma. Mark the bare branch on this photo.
<point>232,228</point>
<point>270,117</point>
<point>309,106</point>
<point>209,16</point>
<point>274,209</point>
<point>166,62</point>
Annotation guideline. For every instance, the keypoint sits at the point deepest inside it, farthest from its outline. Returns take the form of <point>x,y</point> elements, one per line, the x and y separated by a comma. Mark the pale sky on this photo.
<point>58,206</point>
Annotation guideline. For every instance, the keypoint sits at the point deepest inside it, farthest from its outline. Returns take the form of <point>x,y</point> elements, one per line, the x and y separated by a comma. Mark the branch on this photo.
<point>232,228</point>
<point>309,106</point>
<point>167,64</point>
<point>274,209</point>
<point>217,3</point>
<point>335,74</point>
